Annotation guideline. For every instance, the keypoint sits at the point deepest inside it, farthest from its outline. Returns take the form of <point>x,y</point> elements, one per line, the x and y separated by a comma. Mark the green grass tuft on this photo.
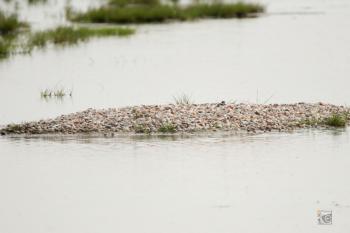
<point>336,120</point>
<point>57,93</point>
<point>167,128</point>
<point>158,13</point>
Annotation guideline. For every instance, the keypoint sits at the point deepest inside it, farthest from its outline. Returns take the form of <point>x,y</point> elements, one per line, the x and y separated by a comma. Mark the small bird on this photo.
<point>222,103</point>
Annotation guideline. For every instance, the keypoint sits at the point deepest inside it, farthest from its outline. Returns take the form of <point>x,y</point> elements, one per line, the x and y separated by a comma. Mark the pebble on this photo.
<point>183,118</point>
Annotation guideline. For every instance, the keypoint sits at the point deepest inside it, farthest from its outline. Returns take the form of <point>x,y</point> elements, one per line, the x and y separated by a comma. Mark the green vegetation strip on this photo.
<point>13,40</point>
<point>158,13</point>
<point>70,35</point>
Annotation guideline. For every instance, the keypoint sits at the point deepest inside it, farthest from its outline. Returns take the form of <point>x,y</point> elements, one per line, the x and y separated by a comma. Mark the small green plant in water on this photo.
<point>336,120</point>
<point>167,128</point>
<point>57,93</point>
<point>46,93</point>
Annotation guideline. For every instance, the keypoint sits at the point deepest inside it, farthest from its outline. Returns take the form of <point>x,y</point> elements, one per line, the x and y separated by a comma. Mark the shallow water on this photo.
<point>298,51</point>
<point>244,183</point>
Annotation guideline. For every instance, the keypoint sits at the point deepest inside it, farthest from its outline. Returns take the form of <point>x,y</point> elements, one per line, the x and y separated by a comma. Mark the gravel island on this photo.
<point>186,118</point>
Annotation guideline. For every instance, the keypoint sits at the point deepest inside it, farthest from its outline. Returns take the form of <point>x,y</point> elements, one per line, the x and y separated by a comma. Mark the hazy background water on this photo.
<point>298,51</point>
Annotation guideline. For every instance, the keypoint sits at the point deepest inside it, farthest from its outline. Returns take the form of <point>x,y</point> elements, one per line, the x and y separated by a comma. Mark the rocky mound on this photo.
<point>189,118</point>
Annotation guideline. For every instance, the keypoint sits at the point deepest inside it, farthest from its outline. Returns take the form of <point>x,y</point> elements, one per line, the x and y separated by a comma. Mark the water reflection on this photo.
<point>204,138</point>
<point>210,183</point>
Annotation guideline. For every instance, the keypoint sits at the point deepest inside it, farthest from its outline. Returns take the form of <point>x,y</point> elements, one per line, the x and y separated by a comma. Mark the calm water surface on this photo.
<point>263,183</point>
<point>298,51</point>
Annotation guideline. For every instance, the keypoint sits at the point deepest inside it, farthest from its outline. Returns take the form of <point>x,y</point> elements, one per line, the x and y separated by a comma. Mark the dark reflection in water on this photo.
<point>204,137</point>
